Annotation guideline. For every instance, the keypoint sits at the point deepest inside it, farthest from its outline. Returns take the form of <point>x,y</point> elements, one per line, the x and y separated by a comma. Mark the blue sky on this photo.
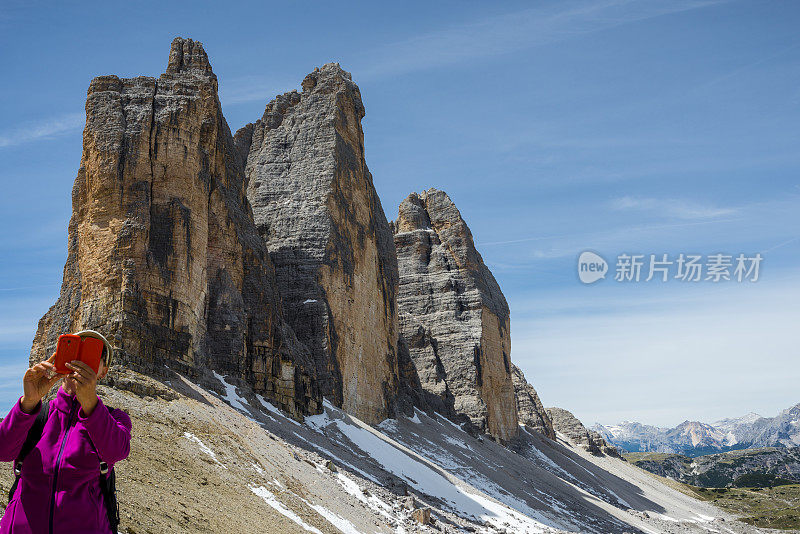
<point>556,127</point>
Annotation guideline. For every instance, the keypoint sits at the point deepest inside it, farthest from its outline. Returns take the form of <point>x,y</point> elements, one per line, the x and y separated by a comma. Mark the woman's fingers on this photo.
<point>34,373</point>
<point>77,371</point>
<point>77,364</point>
<point>50,370</point>
<point>42,366</point>
<point>83,370</point>
<point>79,374</point>
<point>41,370</point>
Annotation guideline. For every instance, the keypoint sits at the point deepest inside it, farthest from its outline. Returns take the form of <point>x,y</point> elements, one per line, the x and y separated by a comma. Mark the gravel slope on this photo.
<point>230,462</point>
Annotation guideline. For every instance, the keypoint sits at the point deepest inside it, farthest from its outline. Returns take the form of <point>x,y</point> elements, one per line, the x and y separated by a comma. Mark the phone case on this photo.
<point>66,351</point>
<point>90,352</point>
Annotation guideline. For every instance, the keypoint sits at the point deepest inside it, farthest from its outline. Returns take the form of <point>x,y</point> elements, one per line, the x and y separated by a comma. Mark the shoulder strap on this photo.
<point>108,487</point>
<point>35,433</point>
<point>33,437</point>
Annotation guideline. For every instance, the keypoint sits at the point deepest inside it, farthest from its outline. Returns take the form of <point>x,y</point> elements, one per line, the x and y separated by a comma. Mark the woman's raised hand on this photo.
<point>83,380</point>
<point>37,382</point>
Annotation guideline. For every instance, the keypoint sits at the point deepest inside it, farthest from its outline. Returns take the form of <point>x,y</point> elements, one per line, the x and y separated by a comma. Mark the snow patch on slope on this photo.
<point>230,394</point>
<point>203,447</point>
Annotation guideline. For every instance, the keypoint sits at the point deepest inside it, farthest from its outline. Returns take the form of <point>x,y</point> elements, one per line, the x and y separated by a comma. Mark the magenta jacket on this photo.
<point>59,490</point>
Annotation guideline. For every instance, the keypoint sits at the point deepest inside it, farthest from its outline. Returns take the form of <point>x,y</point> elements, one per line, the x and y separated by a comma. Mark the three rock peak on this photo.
<point>268,258</point>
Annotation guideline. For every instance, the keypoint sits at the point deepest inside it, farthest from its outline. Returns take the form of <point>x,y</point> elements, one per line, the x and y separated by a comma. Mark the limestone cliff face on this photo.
<point>163,254</point>
<point>530,411</point>
<point>453,317</point>
<point>318,212</point>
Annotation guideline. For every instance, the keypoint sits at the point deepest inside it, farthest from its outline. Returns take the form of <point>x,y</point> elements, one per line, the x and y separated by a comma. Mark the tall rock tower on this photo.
<point>319,214</point>
<point>163,254</point>
<point>453,316</point>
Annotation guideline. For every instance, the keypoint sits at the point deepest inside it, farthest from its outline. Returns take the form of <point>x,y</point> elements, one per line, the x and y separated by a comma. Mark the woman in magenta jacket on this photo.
<point>59,487</point>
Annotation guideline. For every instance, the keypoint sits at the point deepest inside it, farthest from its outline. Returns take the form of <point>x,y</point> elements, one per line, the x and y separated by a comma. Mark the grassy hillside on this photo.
<point>750,467</point>
<point>777,507</point>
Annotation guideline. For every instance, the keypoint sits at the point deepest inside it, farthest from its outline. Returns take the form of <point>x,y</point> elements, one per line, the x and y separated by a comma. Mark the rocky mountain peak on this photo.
<point>188,56</point>
<point>164,257</point>
<point>434,209</point>
<point>794,410</point>
<point>327,78</point>
<point>454,318</point>
<point>317,210</point>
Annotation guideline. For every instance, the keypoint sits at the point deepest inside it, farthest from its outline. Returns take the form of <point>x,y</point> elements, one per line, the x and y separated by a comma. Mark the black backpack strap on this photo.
<point>108,487</point>
<point>33,437</point>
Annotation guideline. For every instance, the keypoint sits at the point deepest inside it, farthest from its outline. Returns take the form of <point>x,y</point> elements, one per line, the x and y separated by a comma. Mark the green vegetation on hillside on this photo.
<point>772,507</point>
<point>744,468</point>
<point>760,480</point>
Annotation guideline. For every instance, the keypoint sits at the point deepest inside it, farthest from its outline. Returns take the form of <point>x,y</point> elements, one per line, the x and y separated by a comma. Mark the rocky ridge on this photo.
<point>530,411</point>
<point>565,423</point>
<point>693,438</point>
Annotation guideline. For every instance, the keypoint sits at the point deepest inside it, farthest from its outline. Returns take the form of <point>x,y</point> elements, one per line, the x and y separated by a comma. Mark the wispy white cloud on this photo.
<point>744,68</point>
<point>45,129</point>
<point>26,288</point>
<point>670,207</point>
<point>633,237</point>
<point>511,32</point>
<point>781,244</point>
<point>611,235</point>
<point>764,226</point>
<point>15,330</point>
<point>485,38</point>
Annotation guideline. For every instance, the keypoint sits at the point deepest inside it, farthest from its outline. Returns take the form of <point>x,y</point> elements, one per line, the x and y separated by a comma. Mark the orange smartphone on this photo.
<point>71,347</point>
<point>66,351</point>
<point>90,352</point>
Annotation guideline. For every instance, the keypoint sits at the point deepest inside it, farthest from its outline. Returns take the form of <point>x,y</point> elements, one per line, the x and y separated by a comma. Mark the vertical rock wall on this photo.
<point>319,214</point>
<point>453,317</point>
<point>163,254</point>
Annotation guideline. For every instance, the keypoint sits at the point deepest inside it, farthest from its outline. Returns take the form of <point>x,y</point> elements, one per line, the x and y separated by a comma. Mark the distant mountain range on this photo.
<point>693,438</point>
